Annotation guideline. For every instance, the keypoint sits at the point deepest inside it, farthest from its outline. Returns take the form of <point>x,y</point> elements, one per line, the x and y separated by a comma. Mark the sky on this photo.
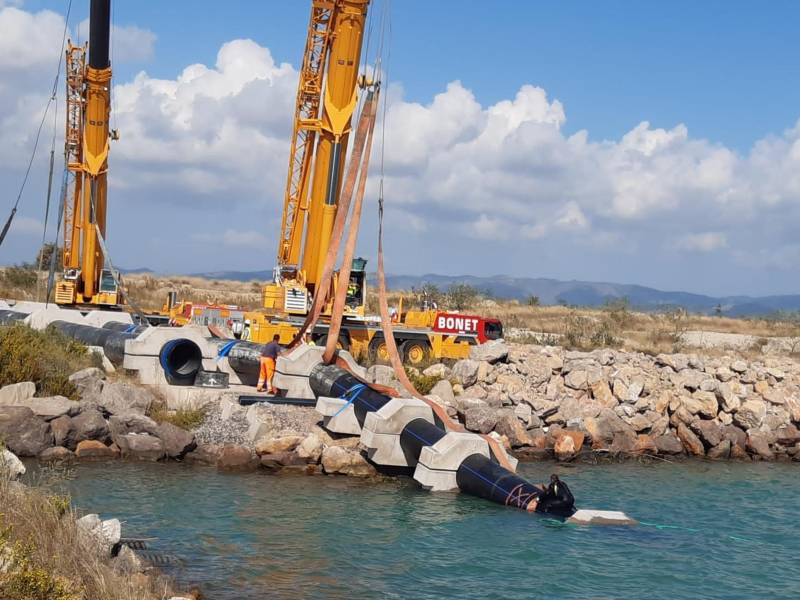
<point>649,143</point>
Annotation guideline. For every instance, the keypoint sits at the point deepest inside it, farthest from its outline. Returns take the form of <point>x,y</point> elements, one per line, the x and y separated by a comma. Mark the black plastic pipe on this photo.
<point>125,327</point>
<point>99,34</point>
<point>476,475</point>
<point>335,382</point>
<point>181,360</point>
<point>112,342</point>
<point>9,317</point>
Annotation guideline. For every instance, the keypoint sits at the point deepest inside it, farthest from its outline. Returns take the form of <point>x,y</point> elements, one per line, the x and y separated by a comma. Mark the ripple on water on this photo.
<point>730,533</point>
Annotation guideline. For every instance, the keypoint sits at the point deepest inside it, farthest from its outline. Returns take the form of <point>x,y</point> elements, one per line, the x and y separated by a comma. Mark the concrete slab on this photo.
<point>98,318</point>
<point>382,429</point>
<point>334,421</point>
<point>601,517</point>
<point>28,307</point>
<point>435,480</point>
<point>437,466</point>
<point>41,318</point>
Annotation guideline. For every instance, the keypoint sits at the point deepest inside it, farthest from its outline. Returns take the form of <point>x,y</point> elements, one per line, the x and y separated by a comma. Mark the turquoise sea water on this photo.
<point>710,530</point>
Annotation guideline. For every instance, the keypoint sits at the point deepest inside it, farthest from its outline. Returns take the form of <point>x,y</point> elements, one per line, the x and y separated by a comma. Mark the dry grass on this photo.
<point>188,418</point>
<point>46,358</point>
<point>47,558</point>
<point>150,292</point>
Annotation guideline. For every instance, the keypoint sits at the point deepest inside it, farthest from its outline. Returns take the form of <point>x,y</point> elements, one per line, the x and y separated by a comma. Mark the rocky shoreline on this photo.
<point>542,402</point>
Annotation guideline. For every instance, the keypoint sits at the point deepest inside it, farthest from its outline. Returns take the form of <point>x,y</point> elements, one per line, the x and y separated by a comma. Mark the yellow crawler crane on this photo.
<point>85,281</point>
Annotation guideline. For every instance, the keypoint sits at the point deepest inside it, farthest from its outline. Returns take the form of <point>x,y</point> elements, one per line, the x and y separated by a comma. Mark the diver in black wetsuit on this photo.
<point>556,499</point>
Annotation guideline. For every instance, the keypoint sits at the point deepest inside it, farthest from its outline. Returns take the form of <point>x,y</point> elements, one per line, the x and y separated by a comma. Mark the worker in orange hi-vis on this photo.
<point>269,354</point>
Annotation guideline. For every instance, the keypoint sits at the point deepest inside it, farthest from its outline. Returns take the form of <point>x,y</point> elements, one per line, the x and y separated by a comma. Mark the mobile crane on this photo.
<point>327,98</point>
<point>85,281</point>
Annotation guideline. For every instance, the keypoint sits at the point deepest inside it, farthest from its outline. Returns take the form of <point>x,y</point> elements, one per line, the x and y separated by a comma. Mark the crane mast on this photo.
<point>85,281</point>
<point>326,100</point>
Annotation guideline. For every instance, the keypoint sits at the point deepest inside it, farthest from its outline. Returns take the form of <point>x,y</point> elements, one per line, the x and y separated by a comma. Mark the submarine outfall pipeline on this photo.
<point>396,432</point>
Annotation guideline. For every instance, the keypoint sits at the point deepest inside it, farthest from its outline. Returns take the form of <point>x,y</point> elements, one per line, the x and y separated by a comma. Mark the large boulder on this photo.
<point>720,451</point>
<point>668,444</point>
<point>94,450</point>
<point>141,446</point>
<point>444,390</point>
<point>493,351</point>
<point>709,431</point>
<point>177,441</point>
<point>236,458</point>
<point>120,425</point>
<point>750,414</point>
<point>583,379</point>
<point>677,362</point>
<point>604,427</point>
<point>602,393</point>
<point>511,427</point>
<point>481,419</point>
<point>57,454</point>
<point>465,372</point>
<point>89,425</point>
<point>310,448</point>
<point>88,382</point>
<point>439,370</point>
<point>567,444</point>
<point>336,459</point>
<point>102,535</point>
<point>124,399</point>
<point>624,442</point>
<point>48,408</point>
<point>205,454</point>
<point>24,433</point>
<point>758,444</point>
<point>16,393</point>
<point>283,443</point>
<point>690,441</point>
<point>63,431</point>
<point>11,467</point>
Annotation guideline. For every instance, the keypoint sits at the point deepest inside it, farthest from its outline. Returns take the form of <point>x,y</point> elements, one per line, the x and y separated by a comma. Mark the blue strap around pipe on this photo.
<point>352,395</point>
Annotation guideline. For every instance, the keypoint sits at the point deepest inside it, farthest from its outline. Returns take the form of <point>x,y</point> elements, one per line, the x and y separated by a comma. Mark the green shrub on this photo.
<point>46,358</point>
<point>422,383</point>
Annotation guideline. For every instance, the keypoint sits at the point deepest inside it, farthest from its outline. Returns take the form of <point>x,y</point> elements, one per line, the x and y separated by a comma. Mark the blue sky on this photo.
<point>716,82</point>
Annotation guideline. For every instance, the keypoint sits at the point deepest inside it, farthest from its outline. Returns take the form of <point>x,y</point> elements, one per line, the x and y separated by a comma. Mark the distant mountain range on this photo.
<point>577,293</point>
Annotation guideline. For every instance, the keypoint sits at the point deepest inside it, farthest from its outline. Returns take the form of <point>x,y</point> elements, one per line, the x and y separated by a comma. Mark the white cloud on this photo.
<point>129,43</point>
<point>703,242</point>
<point>234,238</point>
<point>215,139</point>
<point>25,226</point>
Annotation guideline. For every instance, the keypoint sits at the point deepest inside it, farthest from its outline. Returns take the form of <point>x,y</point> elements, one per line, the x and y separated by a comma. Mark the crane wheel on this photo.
<point>415,352</point>
<point>378,352</point>
<point>343,343</point>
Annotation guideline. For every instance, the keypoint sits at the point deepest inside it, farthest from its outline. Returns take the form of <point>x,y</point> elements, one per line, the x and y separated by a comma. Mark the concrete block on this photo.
<point>41,318</point>
<point>382,429</point>
<point>601,517</point>
<point>151,340</point>
<point>28,307</point>
<point>98,318</point>
<point>108,367</point>
<point>4,305</point>
<point>434,480</point>
<point>344,422</point>
<point>445,456</point>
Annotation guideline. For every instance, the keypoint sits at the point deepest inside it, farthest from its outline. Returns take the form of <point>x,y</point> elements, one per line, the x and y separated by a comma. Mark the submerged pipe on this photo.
<point>112,342</point>
<point>477,474</point>
<point>9,317</point>
<point>99,34</point>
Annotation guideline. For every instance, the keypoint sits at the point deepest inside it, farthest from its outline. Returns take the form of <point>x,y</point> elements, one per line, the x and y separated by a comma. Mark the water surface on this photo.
<point>710,530</point>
